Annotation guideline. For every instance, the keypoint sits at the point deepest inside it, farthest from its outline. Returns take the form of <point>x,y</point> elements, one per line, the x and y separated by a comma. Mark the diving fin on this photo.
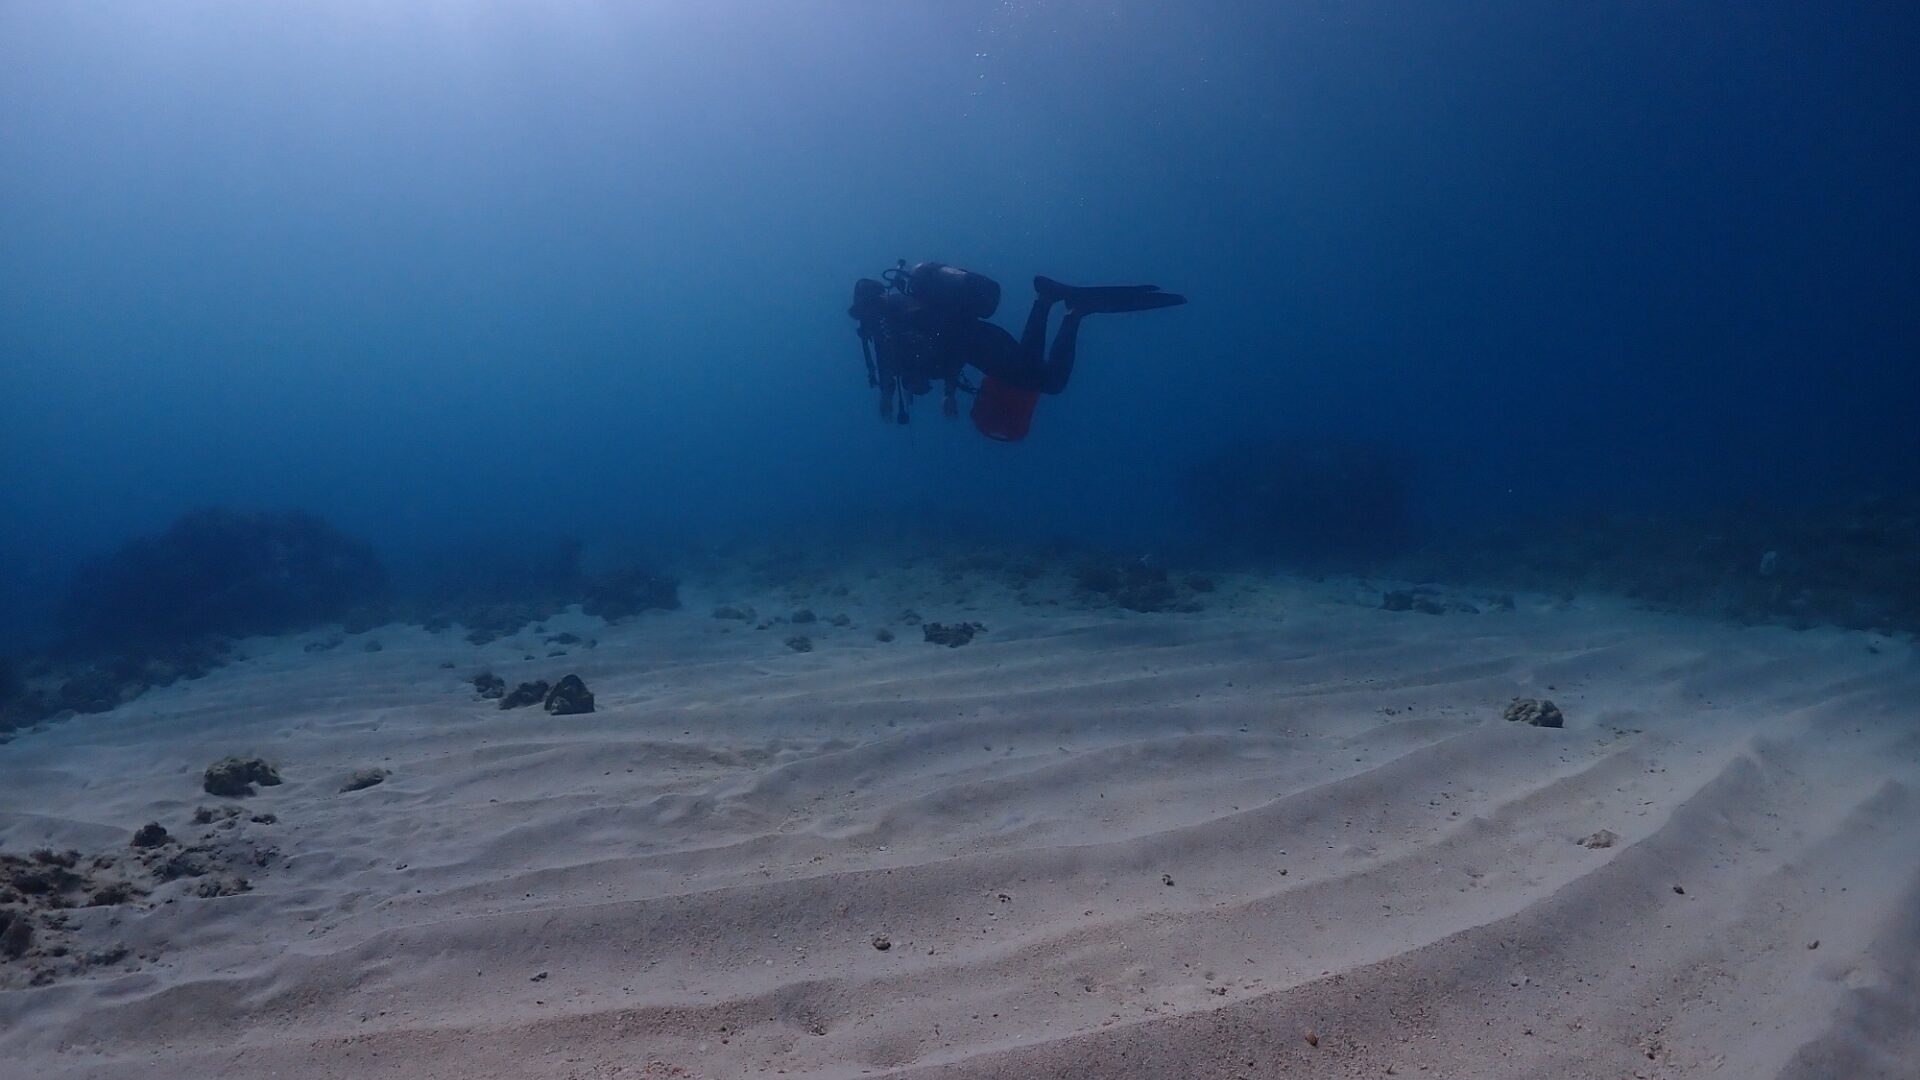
<point>1096,299</point>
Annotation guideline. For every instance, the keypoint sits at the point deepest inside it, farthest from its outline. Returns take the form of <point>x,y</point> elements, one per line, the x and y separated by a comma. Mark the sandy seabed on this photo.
<point>1290,835</point>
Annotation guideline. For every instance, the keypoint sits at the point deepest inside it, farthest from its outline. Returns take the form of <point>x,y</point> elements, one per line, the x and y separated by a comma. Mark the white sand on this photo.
<point>1101,844</point>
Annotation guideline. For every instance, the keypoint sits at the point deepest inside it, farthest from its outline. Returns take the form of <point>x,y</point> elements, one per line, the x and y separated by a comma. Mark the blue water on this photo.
<point>463,273</point>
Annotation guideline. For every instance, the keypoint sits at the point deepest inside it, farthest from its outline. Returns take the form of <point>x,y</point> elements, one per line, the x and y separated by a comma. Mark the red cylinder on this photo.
<point>1003,411</point>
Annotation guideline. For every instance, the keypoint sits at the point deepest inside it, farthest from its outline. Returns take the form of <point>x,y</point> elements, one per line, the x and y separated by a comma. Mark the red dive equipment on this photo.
<point>1002,410</point>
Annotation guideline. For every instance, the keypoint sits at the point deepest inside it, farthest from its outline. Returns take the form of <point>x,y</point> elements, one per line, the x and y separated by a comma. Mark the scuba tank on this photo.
<point>961,294</point>
<point>939,294</point>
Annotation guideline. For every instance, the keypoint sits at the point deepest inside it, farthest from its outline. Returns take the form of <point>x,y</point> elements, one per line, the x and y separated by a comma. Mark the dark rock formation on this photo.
<point>1307,500</point>
<point>952,635</point>
<point>800,643</point>
<point>1419,600</point>
<point>740,612</point>
<point>151,835</point>
<point>527,693</point>
<point>1849,563</point>
<point>804,616</point>
<point>1537,713</point>
<point>491,687</point>
<point>621,595</point>
<point>220,573</point>
<point>569,697</point>
<point>1131,584</point>
<point>16,933</point>
<point>234,777</point>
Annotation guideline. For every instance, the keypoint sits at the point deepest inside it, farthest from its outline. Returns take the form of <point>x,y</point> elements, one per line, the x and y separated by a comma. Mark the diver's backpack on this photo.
<point>951,291</point>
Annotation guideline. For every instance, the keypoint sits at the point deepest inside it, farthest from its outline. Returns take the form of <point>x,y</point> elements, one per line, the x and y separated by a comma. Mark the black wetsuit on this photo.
<point>921,346</point>
<point>916,343</point>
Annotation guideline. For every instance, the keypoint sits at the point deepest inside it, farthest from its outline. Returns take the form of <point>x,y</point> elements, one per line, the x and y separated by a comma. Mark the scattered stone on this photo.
<point>738,613</point>
<point>564,638</point>
<point>951,635</point>
<point>1605,838</point>
<point>37,890</point>
<point>1133,584</point>
<point>804,616</point>
<point>541,977</point>
<point>569,697</point>
<point>882,942</point>
<point>1679,891</point>
<point>492,687</point>
<point>263,819</point>
<point>234,778</point>
<point>110,894</point>
<point>1411,600</point>
<point>1539,713</point>
<point>1167,880</point>
<point>364,779</point>
<point>884,635</point>
<point>910,617</point>
<point>800,643</point>
<point>16,933</point>
<point>1814,944</point>
<point>527,693</point>
<point>151,835</point>
<point>841,620</point>
<point>222,885</point>
<point>324,644</point>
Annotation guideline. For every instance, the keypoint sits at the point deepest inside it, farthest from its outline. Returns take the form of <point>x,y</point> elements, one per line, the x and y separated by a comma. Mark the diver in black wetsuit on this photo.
<point>924,325</point>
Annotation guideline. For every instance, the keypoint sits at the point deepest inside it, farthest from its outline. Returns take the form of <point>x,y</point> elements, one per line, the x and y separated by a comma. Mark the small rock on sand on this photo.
<point>952,635</point>
<point>234,777</point>
<point>882,942</point>
<point>151,835</point>
<point>491,686</point>
<point>1539,713</point>
<point>527,693</point>
<point>1605,838</point>
<point>570,697</point>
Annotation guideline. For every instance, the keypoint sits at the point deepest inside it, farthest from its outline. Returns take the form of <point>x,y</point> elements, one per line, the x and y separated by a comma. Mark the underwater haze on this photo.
<point>462,275</point>
<point>474,604</point>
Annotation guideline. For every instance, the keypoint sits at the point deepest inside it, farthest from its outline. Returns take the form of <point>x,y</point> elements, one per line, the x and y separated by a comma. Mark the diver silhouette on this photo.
<point>924,325</point>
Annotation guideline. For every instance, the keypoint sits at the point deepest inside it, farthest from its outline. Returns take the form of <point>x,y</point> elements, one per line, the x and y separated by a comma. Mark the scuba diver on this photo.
<point>924,324</point>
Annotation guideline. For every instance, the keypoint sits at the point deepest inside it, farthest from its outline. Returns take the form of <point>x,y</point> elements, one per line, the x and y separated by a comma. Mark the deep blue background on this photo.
<point>463,273</point>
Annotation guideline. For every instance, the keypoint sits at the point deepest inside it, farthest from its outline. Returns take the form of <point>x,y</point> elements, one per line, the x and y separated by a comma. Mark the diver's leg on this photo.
<point>995,353</point>
<point>1033,340</point>
<point>1065,345</point>
<point>1033,367</point>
